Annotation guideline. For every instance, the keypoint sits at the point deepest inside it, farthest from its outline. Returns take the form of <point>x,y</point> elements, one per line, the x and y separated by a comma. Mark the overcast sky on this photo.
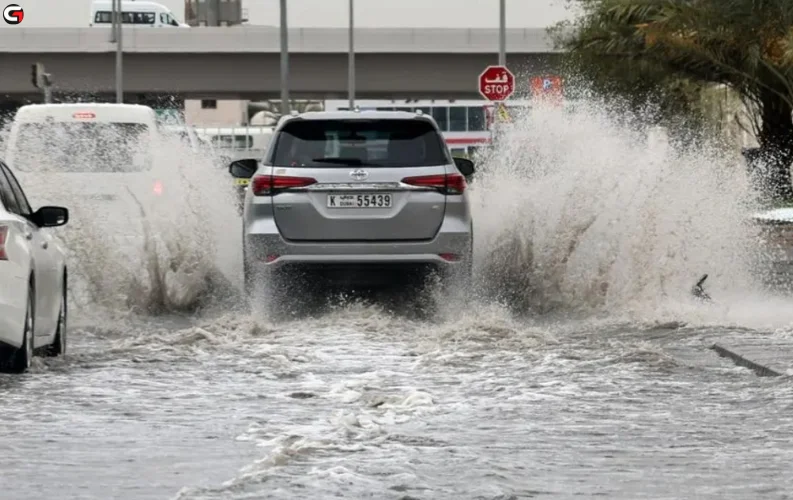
<point>409,13</point>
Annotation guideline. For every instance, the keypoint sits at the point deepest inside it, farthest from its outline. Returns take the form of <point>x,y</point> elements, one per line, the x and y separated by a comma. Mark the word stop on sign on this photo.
<point>497,88</point>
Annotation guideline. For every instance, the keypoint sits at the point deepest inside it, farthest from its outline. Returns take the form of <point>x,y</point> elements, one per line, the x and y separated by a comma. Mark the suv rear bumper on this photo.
<point>273,251</point>
<point>358,263</point>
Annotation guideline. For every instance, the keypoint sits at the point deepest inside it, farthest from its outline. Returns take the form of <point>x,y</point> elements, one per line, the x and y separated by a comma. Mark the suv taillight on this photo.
<point>447,184</point>
<point>3,239</point>
<point>262,185</point>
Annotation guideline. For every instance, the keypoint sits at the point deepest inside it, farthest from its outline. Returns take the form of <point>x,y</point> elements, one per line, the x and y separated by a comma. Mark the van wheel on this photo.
<point>19,360</point>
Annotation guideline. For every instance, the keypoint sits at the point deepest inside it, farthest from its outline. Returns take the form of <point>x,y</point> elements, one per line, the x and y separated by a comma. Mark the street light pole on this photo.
<point>351,59</point>
<point>113,21</point>
<point>118,16</point>
<point>502,34</point>
<point>284,61</point>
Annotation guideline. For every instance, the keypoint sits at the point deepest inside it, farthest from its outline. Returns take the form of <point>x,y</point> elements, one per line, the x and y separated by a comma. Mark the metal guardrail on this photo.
<point>265,39</point>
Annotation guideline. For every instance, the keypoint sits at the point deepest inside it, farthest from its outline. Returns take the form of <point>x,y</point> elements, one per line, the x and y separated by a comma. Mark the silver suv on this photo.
<point>355,199</point>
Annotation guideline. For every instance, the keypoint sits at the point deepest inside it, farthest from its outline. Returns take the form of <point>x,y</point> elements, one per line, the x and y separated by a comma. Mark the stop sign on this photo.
<point>496,83</point>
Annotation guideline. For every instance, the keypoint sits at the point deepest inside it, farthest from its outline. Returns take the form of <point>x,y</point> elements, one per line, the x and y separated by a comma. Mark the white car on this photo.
<point>33,298</point>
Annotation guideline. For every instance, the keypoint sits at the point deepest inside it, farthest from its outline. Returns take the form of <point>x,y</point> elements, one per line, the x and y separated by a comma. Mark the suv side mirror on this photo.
<point>243,169</point>
<point>465,166</point>
<point>50,216</point>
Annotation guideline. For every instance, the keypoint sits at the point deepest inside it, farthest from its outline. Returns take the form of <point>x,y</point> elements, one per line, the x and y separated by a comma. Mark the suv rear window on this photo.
<point>83,147</point>
<point>371,143</point>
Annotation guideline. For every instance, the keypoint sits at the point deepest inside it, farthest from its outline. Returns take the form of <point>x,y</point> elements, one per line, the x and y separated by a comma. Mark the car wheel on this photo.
<point>275,293</point>
<point>248,278</point>
<point>425,298</point>
<point>58,346</point>
<point>252,277</point>
<point>18,360</point>
<point>459,278</point>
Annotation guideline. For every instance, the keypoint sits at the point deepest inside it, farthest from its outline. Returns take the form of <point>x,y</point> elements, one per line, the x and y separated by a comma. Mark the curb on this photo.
<point>760,370</point>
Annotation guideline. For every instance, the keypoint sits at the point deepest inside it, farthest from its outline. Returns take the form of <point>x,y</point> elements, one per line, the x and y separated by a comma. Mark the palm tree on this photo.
<point>746,45</point>
<point>271,110</point>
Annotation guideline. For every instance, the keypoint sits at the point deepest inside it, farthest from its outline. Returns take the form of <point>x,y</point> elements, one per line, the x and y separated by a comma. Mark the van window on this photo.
<point>373,143</point>
<point>83,147</point>
<point>103,17</point>
<point>168,19</point>
<point>144,18</point>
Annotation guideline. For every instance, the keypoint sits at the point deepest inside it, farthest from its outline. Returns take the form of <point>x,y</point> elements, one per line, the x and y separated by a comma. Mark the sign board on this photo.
<point>496,83</point>
<point>497,113</point>
<point>547,87</point>
<point>502,114</point>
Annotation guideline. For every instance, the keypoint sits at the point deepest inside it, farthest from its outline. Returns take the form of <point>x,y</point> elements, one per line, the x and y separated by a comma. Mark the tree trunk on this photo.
<point>770,165</point>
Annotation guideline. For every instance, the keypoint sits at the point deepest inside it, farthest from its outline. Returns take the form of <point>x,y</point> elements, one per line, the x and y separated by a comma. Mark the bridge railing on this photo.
<point>265,39</point>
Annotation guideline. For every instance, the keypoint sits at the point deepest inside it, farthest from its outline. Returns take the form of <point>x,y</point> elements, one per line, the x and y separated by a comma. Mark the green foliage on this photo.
<point>670,48</point>
<point>669,51</point>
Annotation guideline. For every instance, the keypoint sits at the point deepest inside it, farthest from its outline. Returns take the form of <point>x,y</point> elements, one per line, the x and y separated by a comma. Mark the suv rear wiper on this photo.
<point>345,161</point>
<point>342,161</point>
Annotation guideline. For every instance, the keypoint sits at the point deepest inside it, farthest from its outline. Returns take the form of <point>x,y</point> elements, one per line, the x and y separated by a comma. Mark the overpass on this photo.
<point>243,62</point>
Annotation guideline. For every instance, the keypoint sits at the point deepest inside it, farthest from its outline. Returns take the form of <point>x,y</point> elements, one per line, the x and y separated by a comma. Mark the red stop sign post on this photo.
<point>496,83</point>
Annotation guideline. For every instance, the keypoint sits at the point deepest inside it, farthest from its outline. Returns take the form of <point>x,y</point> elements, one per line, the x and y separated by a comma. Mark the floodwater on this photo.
<point>578,367</point>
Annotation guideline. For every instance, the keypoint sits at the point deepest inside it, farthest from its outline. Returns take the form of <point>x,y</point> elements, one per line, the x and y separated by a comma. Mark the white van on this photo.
<point>87,151</point>
<point>136,14</point>
<point>77,138</point>
<point>100,160</point>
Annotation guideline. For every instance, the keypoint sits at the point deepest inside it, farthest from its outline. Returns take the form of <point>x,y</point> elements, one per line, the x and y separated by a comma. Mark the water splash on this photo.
<point>166,246</point>
<point>576,210</point>
<point>190,238</point>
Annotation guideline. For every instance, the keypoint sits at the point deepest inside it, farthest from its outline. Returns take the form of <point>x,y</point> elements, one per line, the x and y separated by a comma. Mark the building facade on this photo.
<point>213,112</point>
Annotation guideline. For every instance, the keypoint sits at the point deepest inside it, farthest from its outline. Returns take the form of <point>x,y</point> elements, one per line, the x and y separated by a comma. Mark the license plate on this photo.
<point>359,200</point>
<point>242,182</point>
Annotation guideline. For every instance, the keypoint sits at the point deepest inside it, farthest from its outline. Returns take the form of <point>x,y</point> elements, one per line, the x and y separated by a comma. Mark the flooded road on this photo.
<point>578,366</point>
<point>363,404</point>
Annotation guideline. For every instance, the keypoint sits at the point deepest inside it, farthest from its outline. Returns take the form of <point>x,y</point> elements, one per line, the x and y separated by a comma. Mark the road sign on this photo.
<point>503,114</point>
<point>496,83</point>
<point>547,87</point>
